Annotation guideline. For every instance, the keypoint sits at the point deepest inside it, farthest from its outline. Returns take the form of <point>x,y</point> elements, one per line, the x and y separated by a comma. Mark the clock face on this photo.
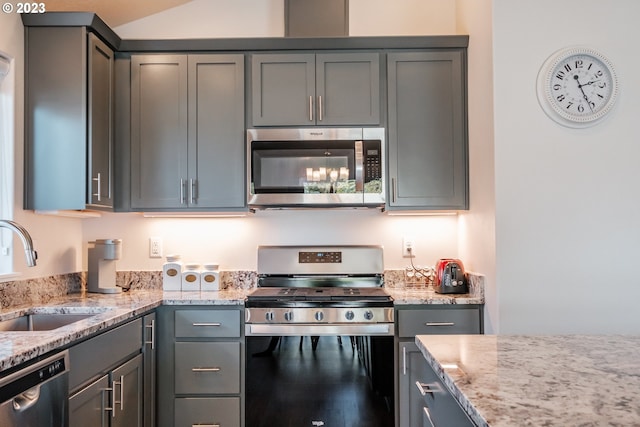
<point>577,87</point>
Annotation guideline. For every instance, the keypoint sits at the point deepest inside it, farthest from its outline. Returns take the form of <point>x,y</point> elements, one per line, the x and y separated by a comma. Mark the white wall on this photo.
<point>56,240</point>
<point>477,226</point>
<point>265,18</point>
<point>567,200</point>
<point>232,241</point>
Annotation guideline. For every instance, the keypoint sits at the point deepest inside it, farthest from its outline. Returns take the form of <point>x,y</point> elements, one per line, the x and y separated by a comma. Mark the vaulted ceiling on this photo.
<point>114,12</point>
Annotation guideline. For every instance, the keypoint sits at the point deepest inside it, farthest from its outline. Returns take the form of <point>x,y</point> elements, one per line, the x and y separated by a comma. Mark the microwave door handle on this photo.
<point>359,167</point>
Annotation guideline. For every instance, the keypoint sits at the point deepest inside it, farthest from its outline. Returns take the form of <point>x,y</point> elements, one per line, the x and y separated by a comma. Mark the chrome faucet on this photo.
<point>22,232</point>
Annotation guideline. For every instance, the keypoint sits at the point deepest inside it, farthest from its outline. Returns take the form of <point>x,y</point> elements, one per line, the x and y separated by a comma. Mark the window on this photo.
<point>6,160</point>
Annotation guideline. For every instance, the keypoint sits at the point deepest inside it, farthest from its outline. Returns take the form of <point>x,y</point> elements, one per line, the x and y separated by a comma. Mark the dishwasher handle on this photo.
<point>26,400</point>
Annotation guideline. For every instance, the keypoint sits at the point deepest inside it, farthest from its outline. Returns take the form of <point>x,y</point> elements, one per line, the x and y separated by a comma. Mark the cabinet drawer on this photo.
<point>207,367</point>
<point>439,406</point>
<point>223,412</point>
<point>207,323</point>
<point>434,321</point>
<point>97,355</point>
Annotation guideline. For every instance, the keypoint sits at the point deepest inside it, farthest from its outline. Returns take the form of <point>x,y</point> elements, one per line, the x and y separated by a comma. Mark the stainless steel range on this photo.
<point>315,291</point>
<point>319,290</point>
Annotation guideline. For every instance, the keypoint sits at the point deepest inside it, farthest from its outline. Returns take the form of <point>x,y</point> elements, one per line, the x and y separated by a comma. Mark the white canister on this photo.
<point>172,273</point>
<point>191,277</point>
<point>210,277</point>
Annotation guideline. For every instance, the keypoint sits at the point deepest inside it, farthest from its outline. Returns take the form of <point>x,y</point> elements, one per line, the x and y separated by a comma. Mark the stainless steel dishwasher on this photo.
<point>37,395</point>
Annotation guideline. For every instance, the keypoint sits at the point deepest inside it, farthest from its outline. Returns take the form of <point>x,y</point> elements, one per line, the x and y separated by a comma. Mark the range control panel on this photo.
<point>319,257</point>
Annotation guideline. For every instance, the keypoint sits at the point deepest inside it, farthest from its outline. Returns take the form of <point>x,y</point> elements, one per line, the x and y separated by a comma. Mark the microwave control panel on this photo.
<point>372,161</point>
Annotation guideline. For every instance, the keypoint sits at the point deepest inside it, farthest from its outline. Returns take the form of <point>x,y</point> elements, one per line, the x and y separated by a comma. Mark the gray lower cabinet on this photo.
<point>427,124</point>
<point>439,407</point>
<point>307,89</point>
<point>201,358</point>
<point>107,377</point>
<point>69,101</point>
<point>412,366</point>
<point>149,359</point>
<point>187,132</point>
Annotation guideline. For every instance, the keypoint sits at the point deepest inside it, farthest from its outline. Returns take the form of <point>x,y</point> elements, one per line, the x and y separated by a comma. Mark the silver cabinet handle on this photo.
<point>424,388</point>
<point>152,334</point>
<point>213,369</point>
<point>440,324</point>
<point>183,197</point>
<point>319,107</point>
<point>393,190</point>
<point>206,324</point>
<point>98,183</point>
<point>404,360</point>
<point>428,415</point>
<point>114,402</point>
<point>192,191</point>
<point>310,108</point>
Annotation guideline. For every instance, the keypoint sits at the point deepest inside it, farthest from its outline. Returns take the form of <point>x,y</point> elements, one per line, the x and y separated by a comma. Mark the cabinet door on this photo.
<point>428,163</point>
<point>87,406</point>
<point>158,131</point>
<point>216,131</point>
<point>283,89</point>
<point>348,89</point>
<point>412,368</point>
<point>100,122</point>
<point>55,118</point>
<point>149,361</point>
<point>127,380</point>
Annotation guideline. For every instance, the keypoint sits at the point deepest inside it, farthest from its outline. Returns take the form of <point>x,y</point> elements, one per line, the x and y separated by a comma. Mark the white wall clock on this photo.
<point>577,86</point>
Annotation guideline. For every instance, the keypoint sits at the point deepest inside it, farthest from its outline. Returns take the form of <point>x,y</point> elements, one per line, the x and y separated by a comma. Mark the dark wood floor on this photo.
<point>328,387</point>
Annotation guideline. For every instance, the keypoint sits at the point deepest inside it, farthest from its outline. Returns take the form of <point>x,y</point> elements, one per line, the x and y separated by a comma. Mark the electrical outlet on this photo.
<point>155,247</point>
<point>408,249</point>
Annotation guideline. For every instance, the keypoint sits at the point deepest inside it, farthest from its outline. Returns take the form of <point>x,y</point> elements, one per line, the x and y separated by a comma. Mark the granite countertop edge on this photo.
<point>112,309</point>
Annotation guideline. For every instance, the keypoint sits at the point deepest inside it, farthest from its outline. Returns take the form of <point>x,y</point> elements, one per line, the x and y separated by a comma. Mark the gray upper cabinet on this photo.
<point>187,132</point>
<point>315,89</point>
<point>428,141</point>
<point>101,104</point>
<point>68,119</point>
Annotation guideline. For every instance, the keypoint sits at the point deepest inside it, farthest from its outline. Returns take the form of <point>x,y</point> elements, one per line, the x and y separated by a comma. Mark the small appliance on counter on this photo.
<point>102,266</point>
<point>450,277</point>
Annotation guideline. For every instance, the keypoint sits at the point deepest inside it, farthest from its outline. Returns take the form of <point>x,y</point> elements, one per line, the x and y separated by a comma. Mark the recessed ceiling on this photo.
<point>114,12</point>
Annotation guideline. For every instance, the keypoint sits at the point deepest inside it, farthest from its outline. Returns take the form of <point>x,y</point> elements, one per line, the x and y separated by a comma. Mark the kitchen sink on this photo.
<point>35,321</point>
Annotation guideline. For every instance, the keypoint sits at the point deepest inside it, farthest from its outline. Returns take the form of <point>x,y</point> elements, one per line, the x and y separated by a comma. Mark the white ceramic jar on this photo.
<point>191,277</point>
<point>172,273</point>
<point>210,277</point>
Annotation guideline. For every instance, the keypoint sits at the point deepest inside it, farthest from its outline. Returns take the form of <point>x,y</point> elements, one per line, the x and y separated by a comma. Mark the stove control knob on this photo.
<point>349,315</point>
<point>269,316</point>
<point>319,316</point>
<point>368,314</point>
<point>288,316</point>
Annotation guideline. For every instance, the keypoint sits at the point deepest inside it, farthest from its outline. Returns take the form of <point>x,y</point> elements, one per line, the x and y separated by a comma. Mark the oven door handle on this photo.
<point>385,329</point>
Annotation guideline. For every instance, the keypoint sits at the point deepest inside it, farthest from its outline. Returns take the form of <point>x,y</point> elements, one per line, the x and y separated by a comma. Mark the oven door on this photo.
<point>307,167</point>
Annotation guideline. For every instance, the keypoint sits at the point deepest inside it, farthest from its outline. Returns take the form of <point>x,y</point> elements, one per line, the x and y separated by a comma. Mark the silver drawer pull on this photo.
<point>428,415</point>
<point>206,324</point>
<point>425,388</point>
<point>440,324</point>
<point>206,425</point>
<point>214,369</point>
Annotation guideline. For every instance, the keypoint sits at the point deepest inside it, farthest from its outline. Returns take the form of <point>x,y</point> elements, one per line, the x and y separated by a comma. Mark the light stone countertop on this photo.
<point>556,380</point>
<point>113,309</point>
<point>110,310</point>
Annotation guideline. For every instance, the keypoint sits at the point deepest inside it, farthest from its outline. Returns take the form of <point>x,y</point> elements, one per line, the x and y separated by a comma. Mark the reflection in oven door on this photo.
<point>319,381</point>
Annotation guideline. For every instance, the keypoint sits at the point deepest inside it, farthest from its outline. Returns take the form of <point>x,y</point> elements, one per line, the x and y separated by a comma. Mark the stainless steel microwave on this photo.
<point>316,167</point>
